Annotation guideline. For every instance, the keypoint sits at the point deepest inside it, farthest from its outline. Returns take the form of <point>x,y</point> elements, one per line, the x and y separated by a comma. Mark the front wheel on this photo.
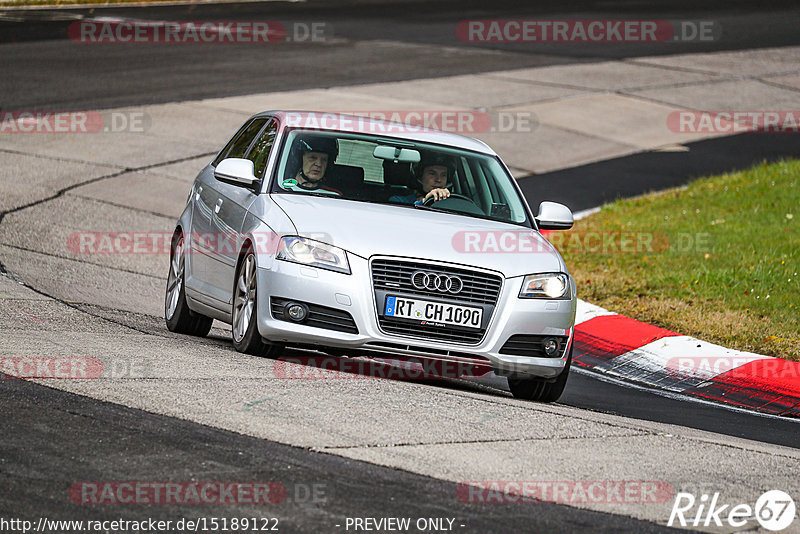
<point>538,389</point>
<point>244,328</point>
<point>179,317</point>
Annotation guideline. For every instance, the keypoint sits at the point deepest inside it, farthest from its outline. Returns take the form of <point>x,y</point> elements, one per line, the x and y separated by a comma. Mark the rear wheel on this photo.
<point>244,328</point>
<point>179,317</point>
<point>538,389</point>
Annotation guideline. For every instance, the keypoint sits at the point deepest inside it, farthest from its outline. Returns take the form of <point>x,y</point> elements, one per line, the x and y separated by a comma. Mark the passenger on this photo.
<point>433,173</point>
<point>313,157</point>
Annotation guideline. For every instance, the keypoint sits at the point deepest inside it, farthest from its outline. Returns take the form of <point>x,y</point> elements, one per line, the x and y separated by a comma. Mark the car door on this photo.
<point>209,269</point>
<point>233,203</point>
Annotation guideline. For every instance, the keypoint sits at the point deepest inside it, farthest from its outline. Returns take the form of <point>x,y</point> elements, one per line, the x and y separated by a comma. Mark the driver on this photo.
<point>433,173</point>
<point>313,157</point>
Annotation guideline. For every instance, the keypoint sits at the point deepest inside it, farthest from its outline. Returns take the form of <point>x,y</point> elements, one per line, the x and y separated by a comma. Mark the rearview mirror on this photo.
<point>396,154</point>
<point>554,216</point>
<point>237,170</point>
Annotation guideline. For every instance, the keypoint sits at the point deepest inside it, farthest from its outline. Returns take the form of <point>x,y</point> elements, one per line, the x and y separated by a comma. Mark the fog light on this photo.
<point>296,312</point>
<point>550,346</point>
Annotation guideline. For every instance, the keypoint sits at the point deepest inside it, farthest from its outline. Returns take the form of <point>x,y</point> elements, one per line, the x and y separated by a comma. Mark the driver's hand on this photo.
<point>437,194</point>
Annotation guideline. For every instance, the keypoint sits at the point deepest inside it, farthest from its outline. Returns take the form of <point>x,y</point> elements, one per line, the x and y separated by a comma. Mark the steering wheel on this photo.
<point>453,196</point>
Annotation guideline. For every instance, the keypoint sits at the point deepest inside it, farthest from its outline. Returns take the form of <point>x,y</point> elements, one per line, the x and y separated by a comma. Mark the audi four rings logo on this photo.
<point>437,282</point>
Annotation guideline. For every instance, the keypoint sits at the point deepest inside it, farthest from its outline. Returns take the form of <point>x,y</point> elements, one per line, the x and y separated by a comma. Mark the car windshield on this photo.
<point>397,172</point>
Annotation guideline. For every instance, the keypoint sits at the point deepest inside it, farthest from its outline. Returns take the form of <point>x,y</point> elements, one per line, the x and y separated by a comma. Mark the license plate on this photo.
<point>435,313</point>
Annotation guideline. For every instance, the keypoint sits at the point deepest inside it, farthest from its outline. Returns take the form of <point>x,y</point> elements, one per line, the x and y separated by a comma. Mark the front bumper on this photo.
<point>354,294</point>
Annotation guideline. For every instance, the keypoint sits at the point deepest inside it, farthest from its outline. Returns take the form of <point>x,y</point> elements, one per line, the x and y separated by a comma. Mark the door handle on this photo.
<point>218,206</point>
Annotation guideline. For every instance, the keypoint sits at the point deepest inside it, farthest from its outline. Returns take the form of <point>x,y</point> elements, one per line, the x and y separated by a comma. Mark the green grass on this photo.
<point>717,260</point>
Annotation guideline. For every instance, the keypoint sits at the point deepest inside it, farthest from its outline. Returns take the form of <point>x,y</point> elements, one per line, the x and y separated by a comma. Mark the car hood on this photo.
<point>367,230</point>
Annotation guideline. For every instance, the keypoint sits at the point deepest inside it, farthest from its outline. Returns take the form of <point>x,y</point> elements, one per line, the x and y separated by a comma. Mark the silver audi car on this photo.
<point>361,237</point>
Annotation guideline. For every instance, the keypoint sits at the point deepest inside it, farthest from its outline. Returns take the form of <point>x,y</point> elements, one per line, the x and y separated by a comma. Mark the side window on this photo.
<point>237,147</point>
<point>260,151</point>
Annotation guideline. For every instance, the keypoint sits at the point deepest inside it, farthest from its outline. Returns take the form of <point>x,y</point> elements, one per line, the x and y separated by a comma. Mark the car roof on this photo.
<point>343,122</point>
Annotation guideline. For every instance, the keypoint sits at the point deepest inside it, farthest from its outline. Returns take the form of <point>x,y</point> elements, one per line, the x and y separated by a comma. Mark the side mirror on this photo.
<point>554,216</point>
<point>236,170</point>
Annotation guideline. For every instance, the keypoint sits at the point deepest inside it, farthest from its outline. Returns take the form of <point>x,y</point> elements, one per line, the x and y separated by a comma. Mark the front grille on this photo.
<point>479,288</point>
<point>530,345</point>
<point>318,316</point>
<point>393,277</point>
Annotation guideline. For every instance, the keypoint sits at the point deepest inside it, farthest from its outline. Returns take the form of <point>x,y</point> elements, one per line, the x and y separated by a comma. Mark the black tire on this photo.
<point>244,312</point>
<point>540,390</point>
<point>179,317</point>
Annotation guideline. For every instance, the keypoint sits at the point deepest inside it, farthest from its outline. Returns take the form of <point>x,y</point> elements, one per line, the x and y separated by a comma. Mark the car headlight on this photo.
<point>313,253</point>
<point>545,286</point>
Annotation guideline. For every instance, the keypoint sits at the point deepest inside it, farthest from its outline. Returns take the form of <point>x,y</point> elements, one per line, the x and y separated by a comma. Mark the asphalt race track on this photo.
<point>371,448</point>
<point>85,76</point>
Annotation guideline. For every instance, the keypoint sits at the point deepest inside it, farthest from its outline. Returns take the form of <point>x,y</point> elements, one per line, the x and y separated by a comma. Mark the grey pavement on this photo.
<point>457,433</point>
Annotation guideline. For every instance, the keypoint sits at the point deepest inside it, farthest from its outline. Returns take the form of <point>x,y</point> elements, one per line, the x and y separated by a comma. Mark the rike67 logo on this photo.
<point>774,511</point>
